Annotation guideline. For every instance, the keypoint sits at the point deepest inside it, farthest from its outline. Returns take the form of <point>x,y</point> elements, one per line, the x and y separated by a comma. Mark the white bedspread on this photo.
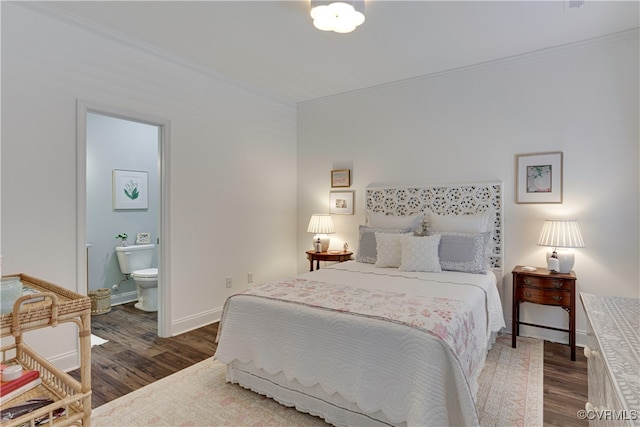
<point>408,375</point>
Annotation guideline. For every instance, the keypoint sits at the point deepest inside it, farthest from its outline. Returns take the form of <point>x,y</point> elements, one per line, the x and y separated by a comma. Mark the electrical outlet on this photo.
<point>228,282</point>
<point>250,277</point>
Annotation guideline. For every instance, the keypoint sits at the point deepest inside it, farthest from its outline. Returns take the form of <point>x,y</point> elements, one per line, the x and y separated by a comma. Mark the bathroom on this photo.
<point>122,198</point>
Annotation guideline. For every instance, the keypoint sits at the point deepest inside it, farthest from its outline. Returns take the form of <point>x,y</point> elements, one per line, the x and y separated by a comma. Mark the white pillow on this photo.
<point>381,220</point>
<point>420,254</point>
<point>367,246</point>
<point>479,223</point>
<point>462,223</point>
<point>388,246</point>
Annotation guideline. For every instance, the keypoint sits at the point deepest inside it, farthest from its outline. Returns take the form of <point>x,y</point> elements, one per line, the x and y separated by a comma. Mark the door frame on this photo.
<point>163,242</point>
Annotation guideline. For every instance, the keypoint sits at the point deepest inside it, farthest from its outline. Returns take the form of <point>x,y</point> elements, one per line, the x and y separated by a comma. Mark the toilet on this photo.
<point>136,261</point>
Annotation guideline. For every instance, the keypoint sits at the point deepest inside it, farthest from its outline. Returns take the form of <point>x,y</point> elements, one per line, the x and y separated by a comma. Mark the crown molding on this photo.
<point>46,9</point>
<point>532,56</point>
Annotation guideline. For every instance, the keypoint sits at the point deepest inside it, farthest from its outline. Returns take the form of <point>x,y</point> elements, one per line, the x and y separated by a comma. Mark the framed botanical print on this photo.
<point>130,189</point>
<point>539,177</point>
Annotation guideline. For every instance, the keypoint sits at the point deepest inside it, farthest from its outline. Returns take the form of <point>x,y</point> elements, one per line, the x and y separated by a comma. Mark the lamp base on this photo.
<point>324,241</point>
<point>566,259</point>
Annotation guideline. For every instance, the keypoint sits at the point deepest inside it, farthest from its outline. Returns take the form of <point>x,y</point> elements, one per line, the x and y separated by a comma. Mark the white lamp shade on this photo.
<point>561,233</point>
<point>320,224</point>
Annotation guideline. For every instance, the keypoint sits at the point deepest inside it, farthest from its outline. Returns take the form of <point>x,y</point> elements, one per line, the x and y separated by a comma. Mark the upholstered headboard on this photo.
<point>447,199</point>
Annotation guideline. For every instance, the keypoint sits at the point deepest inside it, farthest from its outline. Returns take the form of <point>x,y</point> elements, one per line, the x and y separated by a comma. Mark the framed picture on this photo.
<point>539,178</point>
<point>341,178</point>
<point>341,202</point>
<point>130,189</point>
<point>143,238</point>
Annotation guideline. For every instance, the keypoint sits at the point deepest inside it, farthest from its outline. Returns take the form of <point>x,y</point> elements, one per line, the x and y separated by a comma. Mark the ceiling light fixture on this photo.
<point>338,16</point>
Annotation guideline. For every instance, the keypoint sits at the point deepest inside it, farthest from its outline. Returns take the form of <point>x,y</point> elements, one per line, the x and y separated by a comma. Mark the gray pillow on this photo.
<point>367,245</point>
<point>464,252</point>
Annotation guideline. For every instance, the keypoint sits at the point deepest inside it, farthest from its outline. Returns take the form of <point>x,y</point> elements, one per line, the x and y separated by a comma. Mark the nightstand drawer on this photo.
<point>545,282</point>
<point>540,296</point>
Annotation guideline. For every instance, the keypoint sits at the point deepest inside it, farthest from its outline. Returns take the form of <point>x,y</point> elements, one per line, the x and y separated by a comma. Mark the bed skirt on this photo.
<point>332,408</point>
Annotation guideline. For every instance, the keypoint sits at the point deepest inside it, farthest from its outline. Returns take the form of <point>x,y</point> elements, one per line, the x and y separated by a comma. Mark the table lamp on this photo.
<point>321,225</point>
<point>564,234</point>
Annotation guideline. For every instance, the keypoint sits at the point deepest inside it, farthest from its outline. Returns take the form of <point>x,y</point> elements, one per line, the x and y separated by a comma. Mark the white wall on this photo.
<point>468,125</point>
<point>232,164</point>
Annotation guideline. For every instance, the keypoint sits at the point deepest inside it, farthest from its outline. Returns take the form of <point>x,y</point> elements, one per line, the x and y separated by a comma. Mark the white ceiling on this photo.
<point>272,46</point>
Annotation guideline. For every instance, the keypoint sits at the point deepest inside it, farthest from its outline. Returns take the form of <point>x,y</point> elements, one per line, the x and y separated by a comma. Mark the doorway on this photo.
<point>110,140</point>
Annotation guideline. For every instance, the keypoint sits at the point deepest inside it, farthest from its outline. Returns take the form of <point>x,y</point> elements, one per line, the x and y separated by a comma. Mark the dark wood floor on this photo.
<point>135,356</point>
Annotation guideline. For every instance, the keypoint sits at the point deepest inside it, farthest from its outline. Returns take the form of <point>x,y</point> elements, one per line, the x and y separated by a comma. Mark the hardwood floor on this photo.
<point>135,356</point>
<point>565,385</point>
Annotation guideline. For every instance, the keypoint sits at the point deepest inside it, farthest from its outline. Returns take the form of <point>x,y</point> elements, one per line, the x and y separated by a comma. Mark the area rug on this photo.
<point>510,394</point>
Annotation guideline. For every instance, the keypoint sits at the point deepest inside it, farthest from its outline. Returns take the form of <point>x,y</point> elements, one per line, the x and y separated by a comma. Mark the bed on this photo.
<point>397,336</point>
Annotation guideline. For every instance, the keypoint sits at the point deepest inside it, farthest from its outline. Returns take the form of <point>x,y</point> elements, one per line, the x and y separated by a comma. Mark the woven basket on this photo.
<point>100,301</point>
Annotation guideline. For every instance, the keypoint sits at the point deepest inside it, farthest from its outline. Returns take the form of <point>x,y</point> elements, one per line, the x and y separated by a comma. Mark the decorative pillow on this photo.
<point>367,251</point>
<point>464,252</point>
<point>381,220</point>
<point>478,223</point>
<point>420,254</point>
<point>388,246</point>
<point>462,223</point>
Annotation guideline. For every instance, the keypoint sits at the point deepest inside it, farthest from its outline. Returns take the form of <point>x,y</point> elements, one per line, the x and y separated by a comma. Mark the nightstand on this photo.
<point>326,256</point>
<point>544,287</point>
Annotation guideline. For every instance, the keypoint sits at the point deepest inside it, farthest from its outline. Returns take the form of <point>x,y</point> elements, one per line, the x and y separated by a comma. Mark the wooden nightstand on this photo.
<point>544,287</point>
<point>326,256</point>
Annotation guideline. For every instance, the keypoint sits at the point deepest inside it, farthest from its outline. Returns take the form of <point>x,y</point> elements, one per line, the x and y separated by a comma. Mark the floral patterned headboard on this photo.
<point>447,199</point>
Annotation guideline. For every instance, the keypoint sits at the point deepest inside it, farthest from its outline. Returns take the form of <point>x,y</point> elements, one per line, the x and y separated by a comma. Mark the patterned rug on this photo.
<point>510,394</point>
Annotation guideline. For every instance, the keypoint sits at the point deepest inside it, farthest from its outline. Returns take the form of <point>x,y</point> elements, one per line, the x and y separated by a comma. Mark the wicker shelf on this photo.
<point>58,306</point>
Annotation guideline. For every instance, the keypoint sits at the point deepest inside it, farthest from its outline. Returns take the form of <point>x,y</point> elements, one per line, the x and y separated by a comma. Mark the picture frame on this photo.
<point>539,177</point>
<point>143,238</point>
<point>340,178</point>
<point>341,202</point>
<point>130,189</point>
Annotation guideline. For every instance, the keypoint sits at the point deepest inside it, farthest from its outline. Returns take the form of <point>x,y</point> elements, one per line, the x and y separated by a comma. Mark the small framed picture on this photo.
<point>341,202</point>
<point>130,189</point>
<point>341,178</point>
<point>143,238</point>
<point>539,178</point>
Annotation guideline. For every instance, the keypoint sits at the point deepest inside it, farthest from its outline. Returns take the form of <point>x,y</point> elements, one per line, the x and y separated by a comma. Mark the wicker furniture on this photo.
<point>59,305</point>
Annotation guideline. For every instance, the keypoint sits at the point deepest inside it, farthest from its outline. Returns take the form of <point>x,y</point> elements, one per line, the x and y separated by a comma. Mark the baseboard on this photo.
<point>123,298</point>
<point>67,361</point>
<point>179,326</point>
<point>199,320</point>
